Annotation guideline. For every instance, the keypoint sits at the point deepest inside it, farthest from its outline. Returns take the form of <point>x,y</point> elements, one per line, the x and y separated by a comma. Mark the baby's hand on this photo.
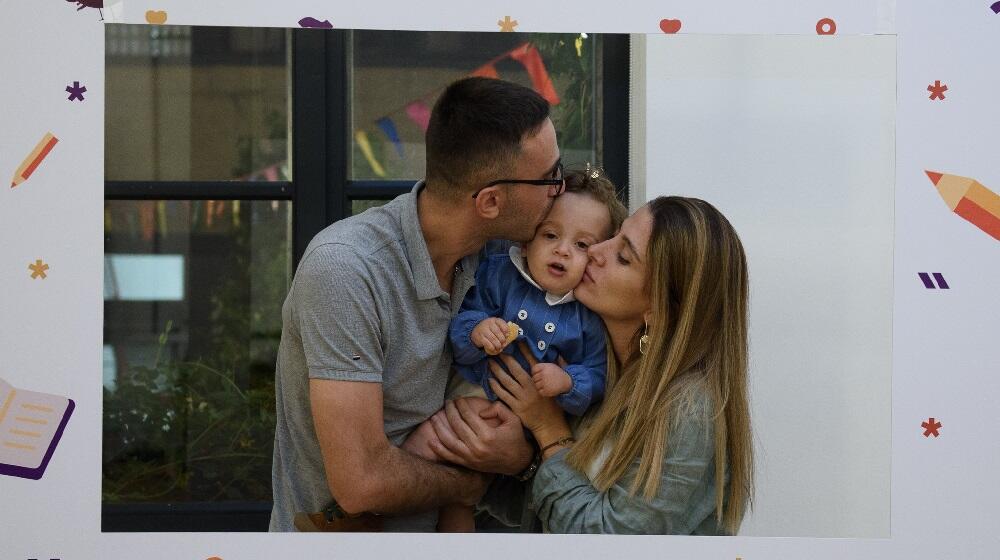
<point>551,380</point>
<point>491,335</point>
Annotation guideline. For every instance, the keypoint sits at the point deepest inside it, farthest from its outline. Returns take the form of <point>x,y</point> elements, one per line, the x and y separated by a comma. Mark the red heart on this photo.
<point>670,25</point>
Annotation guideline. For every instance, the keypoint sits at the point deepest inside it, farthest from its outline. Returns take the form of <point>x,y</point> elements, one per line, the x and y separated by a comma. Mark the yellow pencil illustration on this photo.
<point>969,199</point>
<point>34,159</point>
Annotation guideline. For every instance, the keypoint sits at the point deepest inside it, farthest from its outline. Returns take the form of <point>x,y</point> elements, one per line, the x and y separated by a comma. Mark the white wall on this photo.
<point>791,137</point>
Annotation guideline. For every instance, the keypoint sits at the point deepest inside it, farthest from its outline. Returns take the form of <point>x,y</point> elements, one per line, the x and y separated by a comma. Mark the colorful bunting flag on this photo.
<point>419,113</point>
<point>531,59</point>
<point>389,128</point>
<point>486,71</point>
<point>366,148</point>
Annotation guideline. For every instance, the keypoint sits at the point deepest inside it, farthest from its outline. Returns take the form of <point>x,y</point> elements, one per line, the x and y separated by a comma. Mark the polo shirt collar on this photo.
<point>425,279</point>
<point>520,261</point>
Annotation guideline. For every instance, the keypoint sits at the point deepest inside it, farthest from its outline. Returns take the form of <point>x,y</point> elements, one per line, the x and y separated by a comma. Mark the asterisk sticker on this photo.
<point>76,91</point>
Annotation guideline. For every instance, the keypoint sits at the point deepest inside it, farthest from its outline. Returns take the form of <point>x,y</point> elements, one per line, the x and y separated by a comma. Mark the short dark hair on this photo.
<point>476,129</point>
<point>595,184</point>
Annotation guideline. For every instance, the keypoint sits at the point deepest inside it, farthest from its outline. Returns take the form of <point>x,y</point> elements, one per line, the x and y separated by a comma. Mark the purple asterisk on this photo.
<point>76,91</point>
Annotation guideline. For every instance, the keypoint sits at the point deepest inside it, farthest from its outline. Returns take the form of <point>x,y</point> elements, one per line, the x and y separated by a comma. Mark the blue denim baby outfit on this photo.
<point>551,326</point>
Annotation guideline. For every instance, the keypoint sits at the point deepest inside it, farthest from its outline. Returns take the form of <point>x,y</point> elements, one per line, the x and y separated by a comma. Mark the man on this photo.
<point>363,356</point>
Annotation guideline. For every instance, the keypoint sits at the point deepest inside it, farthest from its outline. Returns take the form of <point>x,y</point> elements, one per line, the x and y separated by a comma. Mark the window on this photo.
<point>227,150</point>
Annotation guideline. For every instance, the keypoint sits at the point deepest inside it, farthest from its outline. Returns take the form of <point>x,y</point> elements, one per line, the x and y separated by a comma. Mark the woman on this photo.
<point>669,449</point>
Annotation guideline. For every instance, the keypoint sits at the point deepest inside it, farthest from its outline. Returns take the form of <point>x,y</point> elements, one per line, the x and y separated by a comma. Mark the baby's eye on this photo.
<point>549,235</point>
<point>622,260</point>
<point>582,245</point>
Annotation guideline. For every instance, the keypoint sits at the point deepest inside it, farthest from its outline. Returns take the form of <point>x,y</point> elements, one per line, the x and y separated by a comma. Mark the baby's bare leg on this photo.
<point>456,518</point>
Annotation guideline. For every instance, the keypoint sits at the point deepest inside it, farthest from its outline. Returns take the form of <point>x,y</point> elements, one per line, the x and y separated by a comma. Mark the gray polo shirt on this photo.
<point>365,305</point>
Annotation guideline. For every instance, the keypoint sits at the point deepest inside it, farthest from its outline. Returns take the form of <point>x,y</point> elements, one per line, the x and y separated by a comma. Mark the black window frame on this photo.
<point>321,192</point>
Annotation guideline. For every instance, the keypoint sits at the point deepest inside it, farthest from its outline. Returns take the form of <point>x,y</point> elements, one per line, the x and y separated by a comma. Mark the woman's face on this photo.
<point>614,283</point>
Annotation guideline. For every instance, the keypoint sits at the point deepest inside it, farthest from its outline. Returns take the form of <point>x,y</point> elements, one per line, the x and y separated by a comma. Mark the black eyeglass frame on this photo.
<point>561,182</point>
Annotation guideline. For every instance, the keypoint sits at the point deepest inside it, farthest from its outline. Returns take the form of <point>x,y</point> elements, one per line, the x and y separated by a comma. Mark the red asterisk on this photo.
<point>930,427</point>
<point>937,90</point>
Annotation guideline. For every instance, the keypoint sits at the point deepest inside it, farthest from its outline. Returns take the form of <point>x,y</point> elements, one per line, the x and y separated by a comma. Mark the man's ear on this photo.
<point>488,202</point>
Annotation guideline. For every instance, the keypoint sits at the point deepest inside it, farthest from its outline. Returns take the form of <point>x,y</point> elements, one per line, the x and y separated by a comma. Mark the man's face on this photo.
<point>530,203</point>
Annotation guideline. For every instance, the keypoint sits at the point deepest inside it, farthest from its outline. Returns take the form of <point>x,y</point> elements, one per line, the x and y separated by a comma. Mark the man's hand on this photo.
<point>491,440</point>
<point>419,443</point>
<point>551,380</point>
<point>490,335</point>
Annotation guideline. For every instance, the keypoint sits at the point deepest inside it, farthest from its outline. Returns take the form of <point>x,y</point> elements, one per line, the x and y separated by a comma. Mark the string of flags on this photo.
<point>151,218</point>
<point>419,113</point>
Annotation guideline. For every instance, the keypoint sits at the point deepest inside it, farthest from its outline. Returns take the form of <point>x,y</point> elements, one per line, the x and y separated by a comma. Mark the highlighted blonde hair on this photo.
<point>697,282</point>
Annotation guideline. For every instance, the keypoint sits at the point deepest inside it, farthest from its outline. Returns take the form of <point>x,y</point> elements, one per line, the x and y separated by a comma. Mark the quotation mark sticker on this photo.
<point>995,7</point>
<point>929,284</point>
<point>930,427</point>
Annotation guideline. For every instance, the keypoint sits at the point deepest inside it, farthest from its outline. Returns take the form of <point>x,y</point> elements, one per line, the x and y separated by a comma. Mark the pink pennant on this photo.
<point>529,56</point>
<point>419,113</point>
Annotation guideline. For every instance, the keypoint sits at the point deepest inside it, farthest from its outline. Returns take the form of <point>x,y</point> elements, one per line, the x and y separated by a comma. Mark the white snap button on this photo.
<point>541,345</point>
<point>550,327</point>
<point>522,314</point>
<point>520,331</point>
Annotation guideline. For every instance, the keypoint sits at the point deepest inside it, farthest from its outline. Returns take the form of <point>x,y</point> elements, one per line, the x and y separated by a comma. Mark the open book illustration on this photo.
<point>30,427</point>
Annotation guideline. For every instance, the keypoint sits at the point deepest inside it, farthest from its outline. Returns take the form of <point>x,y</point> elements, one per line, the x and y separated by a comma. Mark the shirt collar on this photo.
<point>424,277</point>
<point>521,264</point>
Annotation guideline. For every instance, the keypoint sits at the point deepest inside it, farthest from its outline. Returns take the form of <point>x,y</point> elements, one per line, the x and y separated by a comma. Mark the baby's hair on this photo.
<point>593,182</point>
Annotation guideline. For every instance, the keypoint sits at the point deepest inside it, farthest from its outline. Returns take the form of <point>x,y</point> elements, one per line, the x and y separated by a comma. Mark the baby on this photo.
<point>532,287</point>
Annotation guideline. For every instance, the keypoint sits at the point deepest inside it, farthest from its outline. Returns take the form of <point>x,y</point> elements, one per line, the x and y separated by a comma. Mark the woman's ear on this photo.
<point>648,316</point>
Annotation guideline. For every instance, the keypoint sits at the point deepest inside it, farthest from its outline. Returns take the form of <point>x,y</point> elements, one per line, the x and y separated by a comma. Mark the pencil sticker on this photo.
<point>969,199</point>
<point>34,159</point>
<point>31,425</point>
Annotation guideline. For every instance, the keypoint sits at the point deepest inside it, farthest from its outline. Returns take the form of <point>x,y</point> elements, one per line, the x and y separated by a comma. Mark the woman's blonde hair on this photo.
<point>697,282</point>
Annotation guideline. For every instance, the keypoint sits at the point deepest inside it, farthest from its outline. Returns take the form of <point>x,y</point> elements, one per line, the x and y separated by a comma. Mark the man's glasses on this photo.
<point>558,181</point>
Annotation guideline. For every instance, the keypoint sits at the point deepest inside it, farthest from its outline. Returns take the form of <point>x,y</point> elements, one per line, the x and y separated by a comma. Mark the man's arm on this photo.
<point>367,473</point>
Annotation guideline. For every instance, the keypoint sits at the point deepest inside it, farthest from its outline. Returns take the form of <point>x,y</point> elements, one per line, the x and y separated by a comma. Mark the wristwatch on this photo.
<point>529,472</point>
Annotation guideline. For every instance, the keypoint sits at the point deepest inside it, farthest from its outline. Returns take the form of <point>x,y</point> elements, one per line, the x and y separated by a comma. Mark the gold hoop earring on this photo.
<point>644,339</point>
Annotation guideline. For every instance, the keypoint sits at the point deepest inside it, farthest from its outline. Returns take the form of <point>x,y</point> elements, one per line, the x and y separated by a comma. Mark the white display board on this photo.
<point>791,137</point>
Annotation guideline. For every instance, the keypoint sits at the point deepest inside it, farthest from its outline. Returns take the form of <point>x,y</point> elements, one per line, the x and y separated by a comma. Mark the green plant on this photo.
<point>182,430</point>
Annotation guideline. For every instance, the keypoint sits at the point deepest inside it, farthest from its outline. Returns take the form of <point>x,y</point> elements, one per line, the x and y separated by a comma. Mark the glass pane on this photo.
<point>358,206</point>
<point>397,75</point>
<point>196,103</point>
<point>192,320</point>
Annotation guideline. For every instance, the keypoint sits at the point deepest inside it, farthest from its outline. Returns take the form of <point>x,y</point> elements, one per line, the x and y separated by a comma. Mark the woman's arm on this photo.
<point>567,501</point>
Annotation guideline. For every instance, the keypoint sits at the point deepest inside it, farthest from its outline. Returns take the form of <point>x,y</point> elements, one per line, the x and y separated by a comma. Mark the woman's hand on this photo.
<point>539,414</point>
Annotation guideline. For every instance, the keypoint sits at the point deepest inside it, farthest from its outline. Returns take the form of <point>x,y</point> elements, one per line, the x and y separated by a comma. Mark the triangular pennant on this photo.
<point>389,128</point>
<point>366,148</point>
<point>486,71</point>
<point>419,114</point>
<point>529,56</point>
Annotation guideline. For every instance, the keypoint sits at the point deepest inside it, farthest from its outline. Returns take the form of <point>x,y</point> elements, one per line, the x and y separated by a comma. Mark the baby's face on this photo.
<point>557,255</point>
